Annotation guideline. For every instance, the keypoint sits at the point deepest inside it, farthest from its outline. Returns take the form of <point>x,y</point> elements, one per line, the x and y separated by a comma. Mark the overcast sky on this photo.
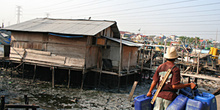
<point>190,18</point>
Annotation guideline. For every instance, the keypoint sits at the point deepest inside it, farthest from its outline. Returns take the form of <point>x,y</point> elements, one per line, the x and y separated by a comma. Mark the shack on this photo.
<point>72,44</point>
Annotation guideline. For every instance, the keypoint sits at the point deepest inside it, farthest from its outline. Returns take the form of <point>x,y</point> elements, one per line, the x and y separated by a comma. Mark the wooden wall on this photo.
<point>29,40</point>
<point>72,50</point>
<point>106,32</point>
<point>113,52</point>
<point>133,56</point>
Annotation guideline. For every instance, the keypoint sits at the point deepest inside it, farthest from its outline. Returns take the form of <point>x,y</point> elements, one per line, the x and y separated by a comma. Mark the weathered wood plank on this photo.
<point>202,77</point>
<point>74,61</point>
<point>38,52</point>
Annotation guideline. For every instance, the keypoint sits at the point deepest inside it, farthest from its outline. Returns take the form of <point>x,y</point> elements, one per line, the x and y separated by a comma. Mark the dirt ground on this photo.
<point>40,93</point>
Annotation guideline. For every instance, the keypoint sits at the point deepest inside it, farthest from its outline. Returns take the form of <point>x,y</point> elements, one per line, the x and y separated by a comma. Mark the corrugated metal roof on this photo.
<point>63,26</point>
<point>125,42</point>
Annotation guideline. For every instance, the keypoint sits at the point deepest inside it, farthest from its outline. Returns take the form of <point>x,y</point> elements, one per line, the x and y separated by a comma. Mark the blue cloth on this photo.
<point>66,36</point>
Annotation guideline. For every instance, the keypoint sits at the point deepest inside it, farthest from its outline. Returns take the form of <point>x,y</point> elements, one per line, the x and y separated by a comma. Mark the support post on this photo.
<point>2,102</point>
<point>53,71</point>
<point>120,62</point>
<point>83,78</point>
<point>182,56</point>
<point>35,67</point>
<point>100,74</point>
<point>142,60</point>
<point>26,101</point>
<point>128,70</point>
<point>189,80</point>
<point>23,71</point>
<point>164,50</point>
<point>198,61</point>
<point>152,55</point>
<point>69,78</point>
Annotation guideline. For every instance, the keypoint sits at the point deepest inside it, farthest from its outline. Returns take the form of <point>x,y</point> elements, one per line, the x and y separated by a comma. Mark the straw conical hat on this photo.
<point>171,53</point>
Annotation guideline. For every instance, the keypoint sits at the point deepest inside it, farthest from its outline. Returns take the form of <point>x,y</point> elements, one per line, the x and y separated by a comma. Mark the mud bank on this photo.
<point>40,93</point>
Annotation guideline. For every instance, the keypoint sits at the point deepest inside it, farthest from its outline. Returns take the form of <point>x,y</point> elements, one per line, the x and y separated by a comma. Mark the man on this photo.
<point>172,84</point>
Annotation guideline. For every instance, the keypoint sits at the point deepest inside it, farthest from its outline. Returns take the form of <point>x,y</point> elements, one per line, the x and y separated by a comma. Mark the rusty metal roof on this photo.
<point>65,26</point>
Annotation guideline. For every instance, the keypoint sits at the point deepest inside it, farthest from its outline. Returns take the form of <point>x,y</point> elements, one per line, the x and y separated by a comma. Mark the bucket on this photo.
<point>179,103</point>
<point>209,99</point>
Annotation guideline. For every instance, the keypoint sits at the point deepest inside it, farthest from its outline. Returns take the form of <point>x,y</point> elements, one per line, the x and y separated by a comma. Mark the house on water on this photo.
<point>74,45</point>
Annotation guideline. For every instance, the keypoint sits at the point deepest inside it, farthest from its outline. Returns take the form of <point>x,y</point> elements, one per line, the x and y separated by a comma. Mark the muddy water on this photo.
<point>40,93</point>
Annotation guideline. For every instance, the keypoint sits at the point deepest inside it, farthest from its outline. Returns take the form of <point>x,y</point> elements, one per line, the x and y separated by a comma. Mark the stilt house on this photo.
<point>72,44</point>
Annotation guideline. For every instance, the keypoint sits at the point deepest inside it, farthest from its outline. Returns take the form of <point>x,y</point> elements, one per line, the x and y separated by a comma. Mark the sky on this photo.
<point>191,18</point>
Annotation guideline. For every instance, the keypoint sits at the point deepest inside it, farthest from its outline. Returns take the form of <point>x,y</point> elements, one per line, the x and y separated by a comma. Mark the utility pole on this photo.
<point>18,13</point>
<point>47,15</point>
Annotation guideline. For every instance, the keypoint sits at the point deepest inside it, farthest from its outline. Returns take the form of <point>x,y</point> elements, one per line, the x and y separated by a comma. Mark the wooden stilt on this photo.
<point>100,74</point>
<point>152,55</point>
<point>198,61</point>
<point>128,70</point>
<point>189,80</point>
<point>2,102</point>
<point>69,78</point>
<point>23,71</point>
<point>53,71</point>
<point>164,50</point>
<point>83,78</point>
<point>26,101</point>
<point>35,67</point>
<point>119,81</point>
<point>120,62</point>
<point>142,60</point>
